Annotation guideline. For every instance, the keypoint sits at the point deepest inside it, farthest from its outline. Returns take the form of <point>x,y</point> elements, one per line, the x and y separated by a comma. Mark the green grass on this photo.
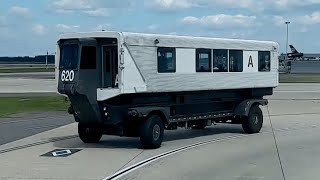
<point>13,105</point>
<point>299,78</point>
<point>25,70</point>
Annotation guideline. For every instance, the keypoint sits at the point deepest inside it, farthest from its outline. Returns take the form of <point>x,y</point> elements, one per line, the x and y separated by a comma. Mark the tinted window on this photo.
<point>88,57</point>
<point>166,60</point>
<point>220,60</point>
<point>203,60</point>
<point>264,61</point>
<point>107,56</point>
<point>69,56</point>
<point>235,61</point>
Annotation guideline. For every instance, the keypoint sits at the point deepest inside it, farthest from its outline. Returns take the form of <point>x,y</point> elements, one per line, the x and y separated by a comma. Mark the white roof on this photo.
<point>142,39</point>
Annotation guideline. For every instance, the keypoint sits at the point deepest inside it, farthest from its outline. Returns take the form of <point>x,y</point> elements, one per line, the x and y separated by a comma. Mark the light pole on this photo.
<point>47,55</point>
<point>287,44</point>
<point>287,65</point>
<point>47,60</point>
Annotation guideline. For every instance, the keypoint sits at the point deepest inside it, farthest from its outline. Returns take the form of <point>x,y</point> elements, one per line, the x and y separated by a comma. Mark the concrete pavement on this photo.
<point>20,85</point>
<point>252,157</point>
<point>295,116</point>
<point>32,84</point>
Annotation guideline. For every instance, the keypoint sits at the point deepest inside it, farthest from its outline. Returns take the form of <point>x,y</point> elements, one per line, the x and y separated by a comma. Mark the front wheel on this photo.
<point>89,133</point>
<point>253,122</point>
<point>151,132</point>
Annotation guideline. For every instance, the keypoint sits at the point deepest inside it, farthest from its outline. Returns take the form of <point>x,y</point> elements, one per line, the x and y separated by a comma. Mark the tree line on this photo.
<point>41,59</point>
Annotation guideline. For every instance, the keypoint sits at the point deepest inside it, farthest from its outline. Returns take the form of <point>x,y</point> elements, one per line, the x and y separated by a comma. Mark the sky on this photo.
<point>29,28</point>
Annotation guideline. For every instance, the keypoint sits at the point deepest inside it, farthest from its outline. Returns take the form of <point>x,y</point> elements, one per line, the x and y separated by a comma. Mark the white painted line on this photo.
<point>143,163</point>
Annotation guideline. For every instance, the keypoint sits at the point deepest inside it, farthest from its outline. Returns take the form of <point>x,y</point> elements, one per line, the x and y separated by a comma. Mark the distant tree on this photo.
<point>41,59</point>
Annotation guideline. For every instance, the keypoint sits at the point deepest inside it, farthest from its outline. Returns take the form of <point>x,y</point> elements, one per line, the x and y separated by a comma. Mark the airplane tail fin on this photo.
<point>293,50</point>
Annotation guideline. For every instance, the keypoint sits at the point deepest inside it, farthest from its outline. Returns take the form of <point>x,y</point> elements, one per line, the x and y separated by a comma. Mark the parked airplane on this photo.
<point>294,54</point>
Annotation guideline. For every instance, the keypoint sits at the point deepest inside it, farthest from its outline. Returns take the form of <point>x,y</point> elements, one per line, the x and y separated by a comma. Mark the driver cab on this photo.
<point>86,64</point>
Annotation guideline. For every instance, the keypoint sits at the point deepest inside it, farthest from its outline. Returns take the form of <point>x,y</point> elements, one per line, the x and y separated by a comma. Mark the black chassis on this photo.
<point>123,114</point>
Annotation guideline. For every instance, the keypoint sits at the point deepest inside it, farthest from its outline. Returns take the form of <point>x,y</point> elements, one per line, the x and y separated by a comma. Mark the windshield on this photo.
<point>69,56</point>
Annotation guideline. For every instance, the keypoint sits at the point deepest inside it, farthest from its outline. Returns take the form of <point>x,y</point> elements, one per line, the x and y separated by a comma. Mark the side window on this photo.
<point>220,60</point>
<point>166,60</point>
<point>264,61</point>
<point>203,60</point>
<point>235,61</point>
<point>88,57</point>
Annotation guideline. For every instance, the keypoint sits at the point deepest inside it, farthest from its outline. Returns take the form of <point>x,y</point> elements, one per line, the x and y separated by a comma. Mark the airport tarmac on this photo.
<point>305,67</point>
<point>33,84</point>
<point>218,152</point>
<point>37,75</point>
<point>18,66</point>
<point>23,85</point>
<point>22,125</point>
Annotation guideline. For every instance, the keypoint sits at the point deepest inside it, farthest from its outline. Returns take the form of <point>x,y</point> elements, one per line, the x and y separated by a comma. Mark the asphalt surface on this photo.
<point>37,75</point>
<point>22,125</point>
<point>305,67</point>
<point>228,153</point>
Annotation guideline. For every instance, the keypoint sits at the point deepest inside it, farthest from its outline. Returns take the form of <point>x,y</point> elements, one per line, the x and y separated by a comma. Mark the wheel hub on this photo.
<point>156,132</point>
<point>256,120</point>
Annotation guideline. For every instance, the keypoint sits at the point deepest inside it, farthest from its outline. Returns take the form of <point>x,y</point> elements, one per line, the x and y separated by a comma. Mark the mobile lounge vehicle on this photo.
<point>132,84</point>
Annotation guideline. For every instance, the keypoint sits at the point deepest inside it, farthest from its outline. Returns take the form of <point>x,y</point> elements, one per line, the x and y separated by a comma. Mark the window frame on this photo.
<point>203,51</point>
<point>174,60</point>
<point>82,66</point>
<point>263,52</point>
<point>229,59</point>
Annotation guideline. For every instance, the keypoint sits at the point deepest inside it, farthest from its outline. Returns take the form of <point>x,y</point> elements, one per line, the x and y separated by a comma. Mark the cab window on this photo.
<point>69,56</point>
<point>88,57</point>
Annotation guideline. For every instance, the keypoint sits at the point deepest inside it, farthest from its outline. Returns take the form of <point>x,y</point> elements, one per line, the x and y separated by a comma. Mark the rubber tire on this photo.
<point>249,126</point>
<point>201,125</point>
<point>89,133</point>
<point>146,132</point>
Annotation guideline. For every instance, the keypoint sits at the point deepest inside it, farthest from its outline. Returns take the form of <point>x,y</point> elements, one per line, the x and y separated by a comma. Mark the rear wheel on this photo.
<point>89,133</point>
<point>151,132</point>
<point>254,121</point>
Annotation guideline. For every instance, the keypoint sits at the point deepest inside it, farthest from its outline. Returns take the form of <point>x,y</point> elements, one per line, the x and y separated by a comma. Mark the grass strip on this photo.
<point>299,78</point>
<point>13,105</point>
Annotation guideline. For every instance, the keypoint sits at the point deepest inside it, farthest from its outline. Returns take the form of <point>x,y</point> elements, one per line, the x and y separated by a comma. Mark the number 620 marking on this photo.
<point>67,75</point>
